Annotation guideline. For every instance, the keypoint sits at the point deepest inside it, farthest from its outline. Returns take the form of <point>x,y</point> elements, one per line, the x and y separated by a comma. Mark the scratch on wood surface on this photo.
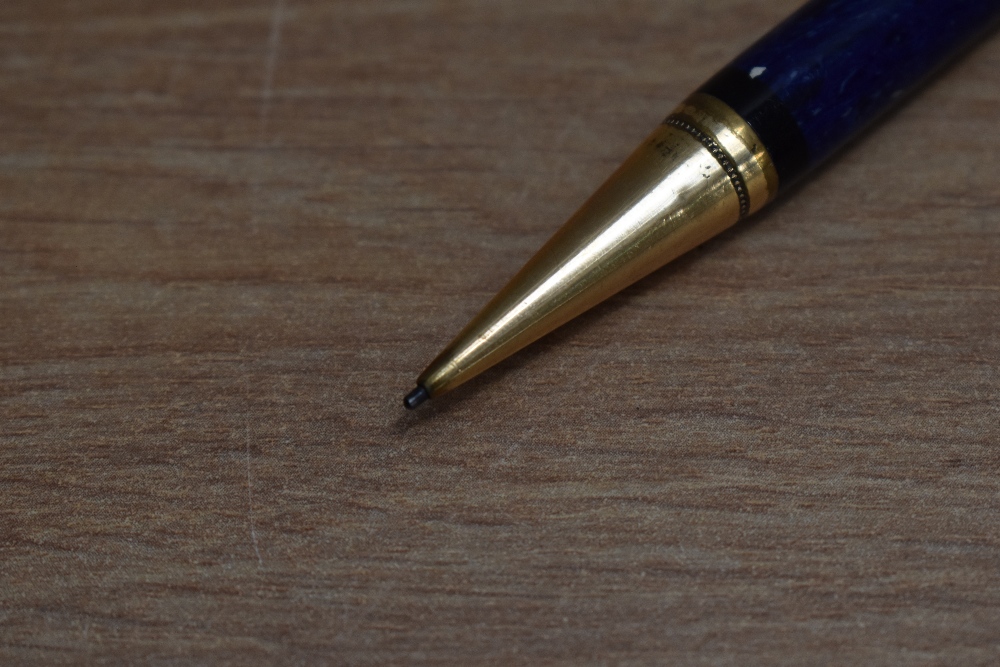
<point>250,514</point>
<point>266,94</point>
<point>273,46</point>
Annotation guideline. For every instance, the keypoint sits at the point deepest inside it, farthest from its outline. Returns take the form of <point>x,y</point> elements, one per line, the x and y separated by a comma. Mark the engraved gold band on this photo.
<point>735,145</point>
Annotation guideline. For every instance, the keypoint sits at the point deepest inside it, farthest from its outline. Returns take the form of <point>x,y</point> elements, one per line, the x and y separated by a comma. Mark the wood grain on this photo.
<point>232,233</point>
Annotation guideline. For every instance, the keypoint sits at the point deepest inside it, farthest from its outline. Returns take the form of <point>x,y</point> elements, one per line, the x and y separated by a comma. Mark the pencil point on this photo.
<point>415,398</point>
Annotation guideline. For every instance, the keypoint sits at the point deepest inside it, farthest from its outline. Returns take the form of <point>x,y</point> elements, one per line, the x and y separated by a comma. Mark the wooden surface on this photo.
<point>232,233</point>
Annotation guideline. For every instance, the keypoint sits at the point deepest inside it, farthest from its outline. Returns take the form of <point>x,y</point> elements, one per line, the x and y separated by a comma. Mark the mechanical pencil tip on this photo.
<point>415,398</point>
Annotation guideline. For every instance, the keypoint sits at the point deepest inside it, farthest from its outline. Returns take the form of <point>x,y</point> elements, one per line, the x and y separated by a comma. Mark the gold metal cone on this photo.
<point>693,177</point>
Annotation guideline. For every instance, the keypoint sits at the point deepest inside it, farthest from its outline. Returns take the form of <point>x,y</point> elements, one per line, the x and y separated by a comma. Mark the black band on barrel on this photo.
<point>768,117</point>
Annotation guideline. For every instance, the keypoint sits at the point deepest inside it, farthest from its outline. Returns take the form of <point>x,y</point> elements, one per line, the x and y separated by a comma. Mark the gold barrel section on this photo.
<point>738,143</point>
<point>693,177</point>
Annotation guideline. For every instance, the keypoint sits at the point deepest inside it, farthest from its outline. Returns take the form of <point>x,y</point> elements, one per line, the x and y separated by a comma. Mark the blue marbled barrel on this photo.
<point>836,65</point>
